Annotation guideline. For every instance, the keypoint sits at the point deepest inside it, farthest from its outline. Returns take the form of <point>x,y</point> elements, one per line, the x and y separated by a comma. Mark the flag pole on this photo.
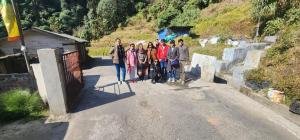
<point>23,46</point>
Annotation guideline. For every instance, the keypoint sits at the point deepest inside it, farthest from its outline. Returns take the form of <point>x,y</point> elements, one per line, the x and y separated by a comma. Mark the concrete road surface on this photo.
<point>145,111</point>
<point>164,112</point>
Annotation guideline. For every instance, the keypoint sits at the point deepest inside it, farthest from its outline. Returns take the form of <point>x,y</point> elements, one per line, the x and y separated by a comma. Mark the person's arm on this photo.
<point>188,54</point>
<point>145,60</point>
<point>158,54</point>
<point>111,51</point>
<point>135,59</point>
<point>169,54</point>
<point>177,53</point>
<point>127,58</point>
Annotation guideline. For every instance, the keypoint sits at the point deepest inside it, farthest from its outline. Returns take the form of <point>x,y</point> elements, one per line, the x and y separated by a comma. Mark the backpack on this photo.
<point>295,107</point>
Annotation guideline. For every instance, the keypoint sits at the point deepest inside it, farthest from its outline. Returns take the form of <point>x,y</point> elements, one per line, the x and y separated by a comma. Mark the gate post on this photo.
<point>52,71</point>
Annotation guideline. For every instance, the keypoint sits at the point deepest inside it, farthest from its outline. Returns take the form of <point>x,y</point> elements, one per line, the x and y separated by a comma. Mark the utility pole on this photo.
<point>23,46</point>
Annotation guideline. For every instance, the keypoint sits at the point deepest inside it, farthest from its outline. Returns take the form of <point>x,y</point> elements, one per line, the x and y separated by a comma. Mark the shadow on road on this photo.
<point>98,61</point>
<point>94,96</point>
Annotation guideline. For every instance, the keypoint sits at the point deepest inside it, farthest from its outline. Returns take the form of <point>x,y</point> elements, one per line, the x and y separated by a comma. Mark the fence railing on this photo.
<point>73,75</point>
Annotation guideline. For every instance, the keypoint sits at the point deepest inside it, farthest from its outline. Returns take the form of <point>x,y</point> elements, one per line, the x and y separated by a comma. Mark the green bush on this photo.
<point>273,26</point>
<point>187,18</point>
<point>165,17</point>
<point>256,75</point>
<point>293,16</point>
<point>284,43</point>
<point>18,104</point>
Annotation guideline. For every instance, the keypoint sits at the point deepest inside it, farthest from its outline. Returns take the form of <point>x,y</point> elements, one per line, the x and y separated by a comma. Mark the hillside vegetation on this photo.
<point>148,21</point>
<point>89,19</point>
<point>137,29</point>
<point>226,19</point>
<point>281,66</point>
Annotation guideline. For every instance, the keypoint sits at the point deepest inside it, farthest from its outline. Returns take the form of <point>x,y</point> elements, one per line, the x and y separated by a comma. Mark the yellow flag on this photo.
<point>9,19</point>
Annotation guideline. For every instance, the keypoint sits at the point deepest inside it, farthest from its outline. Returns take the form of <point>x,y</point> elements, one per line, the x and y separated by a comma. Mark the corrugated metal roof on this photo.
<point>62,35</point>
<point>54,33</point>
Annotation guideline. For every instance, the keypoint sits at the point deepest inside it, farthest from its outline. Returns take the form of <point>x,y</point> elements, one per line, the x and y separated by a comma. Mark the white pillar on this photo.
<point>52,71</point>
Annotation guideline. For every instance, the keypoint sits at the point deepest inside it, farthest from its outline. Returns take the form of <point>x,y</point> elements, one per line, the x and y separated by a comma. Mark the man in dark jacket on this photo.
<point>183,59</point>
<point>173,63</point>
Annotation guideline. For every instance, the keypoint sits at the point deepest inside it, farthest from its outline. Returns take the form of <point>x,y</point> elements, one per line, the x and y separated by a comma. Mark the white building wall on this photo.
<point>37,40</point>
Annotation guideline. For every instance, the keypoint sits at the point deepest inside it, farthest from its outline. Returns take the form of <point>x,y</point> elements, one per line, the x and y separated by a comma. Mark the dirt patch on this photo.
<point>33,130</point>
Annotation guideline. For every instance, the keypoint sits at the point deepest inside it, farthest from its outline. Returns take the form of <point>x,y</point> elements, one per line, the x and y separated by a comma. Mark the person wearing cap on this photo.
<point>173,62</point>
<point>162,53</point>
<point>183,59</point>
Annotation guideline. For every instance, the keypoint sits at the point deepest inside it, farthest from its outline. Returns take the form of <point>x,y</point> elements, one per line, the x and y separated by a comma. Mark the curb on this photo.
<point>281,109</point>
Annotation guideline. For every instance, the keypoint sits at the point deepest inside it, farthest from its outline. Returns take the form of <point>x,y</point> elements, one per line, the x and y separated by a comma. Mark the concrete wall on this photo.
<point>234,55</point>
<point>205,65</point>
<point>41,84</point>
<point>54,80</point>
<point>13,81</point>
<point>37,40</point>
<point>253,58</point>
<point>251,62</point>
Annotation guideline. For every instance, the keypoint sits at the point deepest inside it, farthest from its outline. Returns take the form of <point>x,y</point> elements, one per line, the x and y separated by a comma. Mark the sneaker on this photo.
<point>169,80</point>
<point>119,82</point>
<point>182,82</point>
<point>173,80</point>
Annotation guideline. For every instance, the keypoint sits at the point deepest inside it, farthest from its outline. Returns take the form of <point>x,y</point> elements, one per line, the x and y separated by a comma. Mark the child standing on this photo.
<point>132,62</point>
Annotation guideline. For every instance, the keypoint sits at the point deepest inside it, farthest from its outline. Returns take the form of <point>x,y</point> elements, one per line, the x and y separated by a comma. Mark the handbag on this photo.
<point>175,62</point>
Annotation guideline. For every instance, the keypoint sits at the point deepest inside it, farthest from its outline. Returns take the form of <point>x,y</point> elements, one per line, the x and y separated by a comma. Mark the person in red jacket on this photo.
<point>162,54</point>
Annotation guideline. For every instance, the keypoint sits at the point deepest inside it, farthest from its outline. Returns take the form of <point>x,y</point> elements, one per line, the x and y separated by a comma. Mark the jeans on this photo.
<point>121,67</point>
<point>172,73</point>
<point>163,66</point>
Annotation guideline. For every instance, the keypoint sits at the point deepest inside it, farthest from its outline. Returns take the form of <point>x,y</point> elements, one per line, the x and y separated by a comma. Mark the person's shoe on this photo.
<point>173,80</point>
<point>169,80</point>
<point>119,82</point>
<point>182,82</point>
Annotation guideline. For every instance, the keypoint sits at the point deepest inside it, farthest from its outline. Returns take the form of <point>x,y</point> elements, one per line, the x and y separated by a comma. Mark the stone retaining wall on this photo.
<point>16,80</point>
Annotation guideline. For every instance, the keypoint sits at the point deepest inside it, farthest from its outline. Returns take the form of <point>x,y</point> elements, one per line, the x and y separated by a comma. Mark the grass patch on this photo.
<point>137,29</point>
<point>98,51</point>
<point>20,104</point>
<point>212,50</point>
<point>225,19</point>
<point>281,66</point>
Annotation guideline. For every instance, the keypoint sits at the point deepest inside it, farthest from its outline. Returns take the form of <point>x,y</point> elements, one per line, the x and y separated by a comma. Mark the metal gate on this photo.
<point>73,76</point>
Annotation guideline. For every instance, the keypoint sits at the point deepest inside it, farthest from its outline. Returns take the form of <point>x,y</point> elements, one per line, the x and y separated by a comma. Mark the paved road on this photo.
<point>143,111</point>
<point>146,111</point>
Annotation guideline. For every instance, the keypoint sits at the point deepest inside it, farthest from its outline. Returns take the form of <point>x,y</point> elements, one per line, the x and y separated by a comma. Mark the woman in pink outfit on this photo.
<point>132,62</point>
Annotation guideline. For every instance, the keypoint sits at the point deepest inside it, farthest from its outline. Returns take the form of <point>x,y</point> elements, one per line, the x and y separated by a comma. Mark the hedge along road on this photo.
<point>163,112</point>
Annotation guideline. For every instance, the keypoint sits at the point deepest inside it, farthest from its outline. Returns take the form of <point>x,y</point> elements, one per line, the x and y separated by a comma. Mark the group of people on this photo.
<point>158,62</point>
